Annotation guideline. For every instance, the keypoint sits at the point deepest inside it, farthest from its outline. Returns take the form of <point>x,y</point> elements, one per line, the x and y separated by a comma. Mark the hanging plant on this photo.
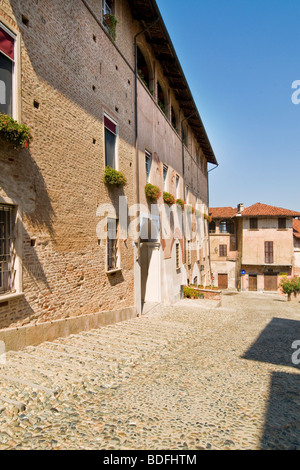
<point>180,203</point>
<point>111,23</point>
<point>168,199</point>
<point>114,177</point>
<point>152,192</point>
<point>17,134</point>
<point>207,217</point>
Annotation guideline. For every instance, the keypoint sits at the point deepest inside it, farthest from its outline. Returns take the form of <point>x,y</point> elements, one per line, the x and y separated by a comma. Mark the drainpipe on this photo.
<point>136,134</point>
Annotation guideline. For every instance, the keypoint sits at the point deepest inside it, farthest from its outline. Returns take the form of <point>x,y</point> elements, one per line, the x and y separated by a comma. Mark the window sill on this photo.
<point>114,271</point>
<point>6,297</point>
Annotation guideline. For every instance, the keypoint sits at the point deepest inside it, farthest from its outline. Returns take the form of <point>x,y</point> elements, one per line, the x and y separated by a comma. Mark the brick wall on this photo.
<point>58,183</point>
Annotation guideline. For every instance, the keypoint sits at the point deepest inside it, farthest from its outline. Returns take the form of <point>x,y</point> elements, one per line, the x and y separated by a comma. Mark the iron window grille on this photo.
<point>7,253</point>
<point>112,244</point>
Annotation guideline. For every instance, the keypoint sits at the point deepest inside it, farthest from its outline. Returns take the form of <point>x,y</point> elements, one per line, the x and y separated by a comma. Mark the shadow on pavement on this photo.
<point>279,344</point>
<point>274,345</point>
<point>282,423</point>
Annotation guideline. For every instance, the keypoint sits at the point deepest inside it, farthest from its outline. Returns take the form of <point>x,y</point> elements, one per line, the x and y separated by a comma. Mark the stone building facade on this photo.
<point>264,246</point>
<point>82,92</point>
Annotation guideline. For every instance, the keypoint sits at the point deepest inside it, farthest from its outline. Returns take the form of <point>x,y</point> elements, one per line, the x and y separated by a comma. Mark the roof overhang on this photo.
<point>157,36</point>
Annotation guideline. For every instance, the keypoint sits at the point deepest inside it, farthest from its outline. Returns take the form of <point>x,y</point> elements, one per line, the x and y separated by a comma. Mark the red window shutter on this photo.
<point>7,44</point>
<point>111,126</point>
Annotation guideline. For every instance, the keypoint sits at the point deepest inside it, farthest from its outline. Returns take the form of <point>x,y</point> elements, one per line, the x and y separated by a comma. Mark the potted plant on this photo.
<point>152,192</point>
<point>11,131</point>
<point>290,286</point>
<point>111,22</point>
<point>113,177</point>
<point>168,198</point>
<point>180,203</point>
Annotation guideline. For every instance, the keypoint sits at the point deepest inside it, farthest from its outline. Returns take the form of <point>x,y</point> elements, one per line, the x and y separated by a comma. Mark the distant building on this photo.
<point>296,232</point>
<point>251,248</point>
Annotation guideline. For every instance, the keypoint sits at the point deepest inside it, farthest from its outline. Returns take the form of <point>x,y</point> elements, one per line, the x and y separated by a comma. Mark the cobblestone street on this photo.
<point>187,377</point>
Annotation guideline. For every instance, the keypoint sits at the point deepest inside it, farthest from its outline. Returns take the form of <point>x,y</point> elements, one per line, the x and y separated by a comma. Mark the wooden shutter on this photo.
<point>269,257</point>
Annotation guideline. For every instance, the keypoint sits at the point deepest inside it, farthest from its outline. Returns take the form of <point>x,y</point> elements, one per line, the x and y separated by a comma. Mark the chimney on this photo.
<point>240,207</point>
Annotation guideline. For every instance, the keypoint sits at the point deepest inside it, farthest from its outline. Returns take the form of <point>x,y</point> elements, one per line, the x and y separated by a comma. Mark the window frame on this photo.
<point>269,252</point>
<point>282,220</point>
<point>14,36</point>
<point>253,223</point>
<point>148,157</point>
<point>165,176</point>
<point>223,250</point>
<point>116,133</point>
<point>114,246</point>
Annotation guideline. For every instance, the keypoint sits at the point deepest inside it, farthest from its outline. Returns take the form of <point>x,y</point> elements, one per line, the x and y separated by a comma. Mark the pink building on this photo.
<point>259,243</point>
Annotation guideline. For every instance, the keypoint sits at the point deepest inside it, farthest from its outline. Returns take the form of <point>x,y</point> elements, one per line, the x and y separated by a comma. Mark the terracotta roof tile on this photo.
<point>259,210</point>
<point>296,227</point>
<point>222,212</point>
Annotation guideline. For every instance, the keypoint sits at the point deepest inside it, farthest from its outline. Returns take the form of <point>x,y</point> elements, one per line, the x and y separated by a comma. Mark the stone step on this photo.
<point>80,344</point>
<point>128,349</point>
<point>27,383</point>
<point>33,367</point>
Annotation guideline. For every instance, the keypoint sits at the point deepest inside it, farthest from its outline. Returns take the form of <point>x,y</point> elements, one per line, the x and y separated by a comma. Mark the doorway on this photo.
<point>252,282</point>
<point>150,273</point>
<point>223,281</point>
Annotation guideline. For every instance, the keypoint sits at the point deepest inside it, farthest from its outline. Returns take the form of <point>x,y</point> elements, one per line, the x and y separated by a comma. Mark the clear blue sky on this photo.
<point>240,58</point>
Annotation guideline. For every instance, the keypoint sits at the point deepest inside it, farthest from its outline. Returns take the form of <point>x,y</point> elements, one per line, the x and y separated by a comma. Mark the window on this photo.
<point>177,186</point>
<point>148,161</point>
<point>7,56</point>
<point>281,223</point>
<point>253,224</point>
<point>112,244</point>
<point>6,258</point>
<point>223,250</point>
<point>107,7</point>
<point>165,173</point>
<point>189,254</point>
<point>212,227</point>
<point>269,254</point>
<point>177,256</point>
<point>226,226</point>
<point>110,129</point>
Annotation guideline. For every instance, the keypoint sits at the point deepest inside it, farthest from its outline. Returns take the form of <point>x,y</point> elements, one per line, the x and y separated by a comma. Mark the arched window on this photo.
<point>143,69</point>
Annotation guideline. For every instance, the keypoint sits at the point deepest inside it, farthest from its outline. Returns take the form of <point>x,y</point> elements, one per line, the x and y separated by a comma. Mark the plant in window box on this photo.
<point>114,177</point>
<point>207,217</point>
<point>168,199</point>
<point>17,134</point>
<point>111,22</point>
<point>152,192</point>
<point>180,203</point>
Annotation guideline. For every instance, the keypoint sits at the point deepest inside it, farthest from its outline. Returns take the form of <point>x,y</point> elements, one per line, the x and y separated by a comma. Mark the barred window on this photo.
<point>177,256</point>
<point>6,251</point>
<point>112,244</point>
